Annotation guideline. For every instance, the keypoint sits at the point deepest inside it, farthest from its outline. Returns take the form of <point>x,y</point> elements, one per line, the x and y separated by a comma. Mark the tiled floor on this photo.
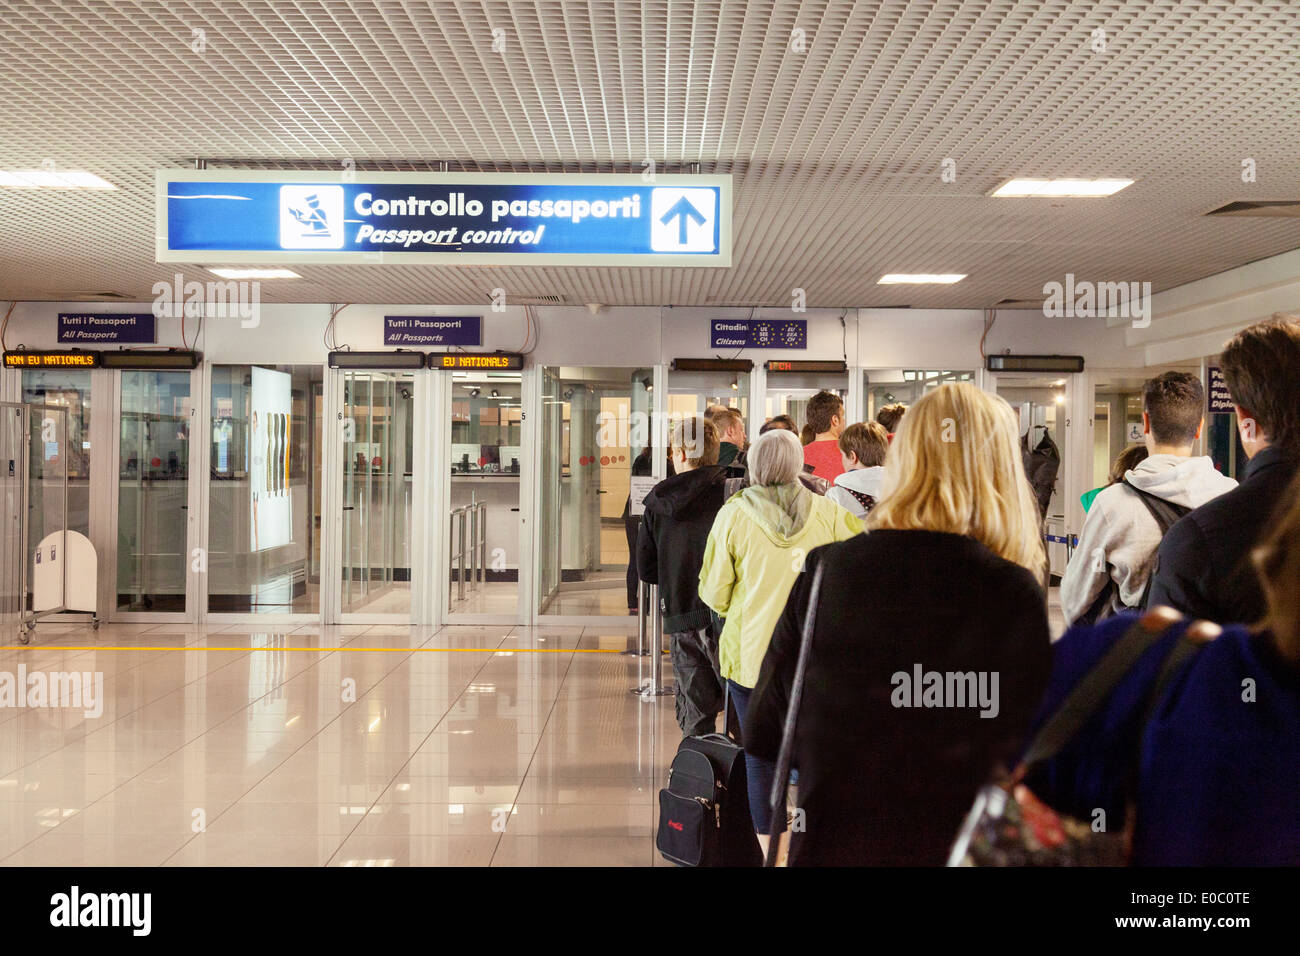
<point>341,746</point>
<point>467,746</point>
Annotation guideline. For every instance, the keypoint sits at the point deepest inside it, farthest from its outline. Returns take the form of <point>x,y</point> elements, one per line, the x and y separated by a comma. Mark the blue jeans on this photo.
<point>759,773</point>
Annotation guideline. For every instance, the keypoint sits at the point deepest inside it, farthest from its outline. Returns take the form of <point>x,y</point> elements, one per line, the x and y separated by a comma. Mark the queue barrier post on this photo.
<point>655,687</point>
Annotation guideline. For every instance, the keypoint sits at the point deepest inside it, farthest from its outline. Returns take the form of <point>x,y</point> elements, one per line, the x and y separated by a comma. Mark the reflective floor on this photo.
<point>344,746</point>
<point>465,746</point>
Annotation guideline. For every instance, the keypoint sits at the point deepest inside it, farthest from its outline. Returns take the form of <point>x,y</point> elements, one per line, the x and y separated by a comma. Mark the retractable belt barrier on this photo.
<point>1071,541</point>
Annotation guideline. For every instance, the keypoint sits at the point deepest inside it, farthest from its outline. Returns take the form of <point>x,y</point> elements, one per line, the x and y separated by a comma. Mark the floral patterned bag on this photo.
<point>1009,826</point>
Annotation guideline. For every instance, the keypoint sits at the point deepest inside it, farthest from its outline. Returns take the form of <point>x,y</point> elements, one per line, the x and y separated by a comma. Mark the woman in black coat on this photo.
<point>931,646</point>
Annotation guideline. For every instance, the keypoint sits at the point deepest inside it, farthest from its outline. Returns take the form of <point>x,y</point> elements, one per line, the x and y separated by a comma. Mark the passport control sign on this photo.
<point>460,218</point>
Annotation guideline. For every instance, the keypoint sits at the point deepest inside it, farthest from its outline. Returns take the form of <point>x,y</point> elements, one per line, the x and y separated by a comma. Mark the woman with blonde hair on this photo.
<point>930,650</point>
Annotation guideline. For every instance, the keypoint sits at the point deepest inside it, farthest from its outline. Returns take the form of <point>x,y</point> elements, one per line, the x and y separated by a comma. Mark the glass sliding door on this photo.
<point>892,386</point>
<point>153,491</point>
<point>596,433</point>
<point>378,455</point>
<point>263,490</point>
<point>549,474</point>
<point>483,529</point>
<point>67,390</point>
<point>693,393</point>
<point>789,393</point>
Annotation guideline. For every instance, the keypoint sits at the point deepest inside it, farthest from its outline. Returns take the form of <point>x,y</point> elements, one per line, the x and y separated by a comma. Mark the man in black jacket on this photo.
<point>670,551</point>
<point>1203,567</point>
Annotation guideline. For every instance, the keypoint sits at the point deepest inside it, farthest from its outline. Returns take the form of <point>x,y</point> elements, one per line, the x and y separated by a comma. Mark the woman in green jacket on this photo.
<point>755,551</point>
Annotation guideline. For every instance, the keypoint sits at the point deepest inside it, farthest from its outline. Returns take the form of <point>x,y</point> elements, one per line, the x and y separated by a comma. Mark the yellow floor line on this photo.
<point>406,650</point>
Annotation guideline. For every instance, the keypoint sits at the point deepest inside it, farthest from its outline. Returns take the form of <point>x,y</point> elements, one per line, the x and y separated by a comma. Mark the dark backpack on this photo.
<point>1165,514</point>
<point>704,811</point>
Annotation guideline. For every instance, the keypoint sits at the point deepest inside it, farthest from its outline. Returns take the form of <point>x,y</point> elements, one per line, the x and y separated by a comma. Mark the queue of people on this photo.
<point>929,541</point>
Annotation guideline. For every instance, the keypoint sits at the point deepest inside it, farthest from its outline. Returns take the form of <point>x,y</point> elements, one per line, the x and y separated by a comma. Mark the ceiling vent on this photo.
<point>81,296</point>
<point>1272,208</point>
<point>525,298</point>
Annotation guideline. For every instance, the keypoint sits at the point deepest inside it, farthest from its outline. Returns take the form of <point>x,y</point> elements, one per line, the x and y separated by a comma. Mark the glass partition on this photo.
<point>892,386</point>
<point>553,427</point>
<point>788,393</point>
<point>15,446</point>
<point>596,433</point>
<point>690,393</point>
<point>70,390</point>
<point>486,439</point>
<point>264,489</point>
<point>378,443</point>
<point>153,491</point>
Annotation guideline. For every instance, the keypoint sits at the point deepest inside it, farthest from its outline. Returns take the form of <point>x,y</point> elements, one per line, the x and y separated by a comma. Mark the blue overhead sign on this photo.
<point>108,327</point>
<point>433,330</point>
<point>460,218</point>
<point>758,334</point>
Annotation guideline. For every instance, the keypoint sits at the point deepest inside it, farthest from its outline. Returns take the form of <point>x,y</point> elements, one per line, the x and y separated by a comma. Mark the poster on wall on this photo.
<point>1220,398</point>
<point>269,427</point>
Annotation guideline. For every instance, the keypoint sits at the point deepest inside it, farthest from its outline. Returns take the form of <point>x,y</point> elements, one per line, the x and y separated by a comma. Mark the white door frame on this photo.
<point>1075,428</point>
<point>532,470</point>
<point>225,618</point>
<point>439,445</point>
<point>331,592</point>
<point>195,488</point>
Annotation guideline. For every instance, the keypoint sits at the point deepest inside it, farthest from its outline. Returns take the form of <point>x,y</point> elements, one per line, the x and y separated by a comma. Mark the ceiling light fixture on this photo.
<point>52,179</point>
<point>227,272</point>
<point>900,278</point>
<point>1058,188</point>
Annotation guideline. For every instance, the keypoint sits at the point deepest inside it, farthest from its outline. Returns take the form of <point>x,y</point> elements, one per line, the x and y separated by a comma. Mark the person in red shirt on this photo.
<point>826,418</point>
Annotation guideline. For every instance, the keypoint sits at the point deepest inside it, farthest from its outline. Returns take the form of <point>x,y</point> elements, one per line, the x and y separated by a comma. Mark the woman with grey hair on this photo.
<point>755,551</point>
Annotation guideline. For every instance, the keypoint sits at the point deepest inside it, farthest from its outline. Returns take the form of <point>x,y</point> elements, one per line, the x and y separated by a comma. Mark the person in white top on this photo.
<point>1116,553</point>
<point>862,452</point>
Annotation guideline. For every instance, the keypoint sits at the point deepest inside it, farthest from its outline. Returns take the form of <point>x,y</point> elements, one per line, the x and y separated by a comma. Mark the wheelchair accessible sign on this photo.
<point>452,218</point>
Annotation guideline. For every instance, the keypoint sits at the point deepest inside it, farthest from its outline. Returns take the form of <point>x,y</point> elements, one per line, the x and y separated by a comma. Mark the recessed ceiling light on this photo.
<point>1061,187</point>
<point>231,273</point>
<point>899,278</point>
<point>52,179</point>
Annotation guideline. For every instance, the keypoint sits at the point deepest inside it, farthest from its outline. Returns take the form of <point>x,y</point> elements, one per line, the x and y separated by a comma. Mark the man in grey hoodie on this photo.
<point>1117,547</point>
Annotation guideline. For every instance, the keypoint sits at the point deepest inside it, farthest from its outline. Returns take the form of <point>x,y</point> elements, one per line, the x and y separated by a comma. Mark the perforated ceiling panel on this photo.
<point>835,118</point>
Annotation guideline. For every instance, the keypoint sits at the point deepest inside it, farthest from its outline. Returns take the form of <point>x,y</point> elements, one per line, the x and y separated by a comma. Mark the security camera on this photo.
<point>473,393</point>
